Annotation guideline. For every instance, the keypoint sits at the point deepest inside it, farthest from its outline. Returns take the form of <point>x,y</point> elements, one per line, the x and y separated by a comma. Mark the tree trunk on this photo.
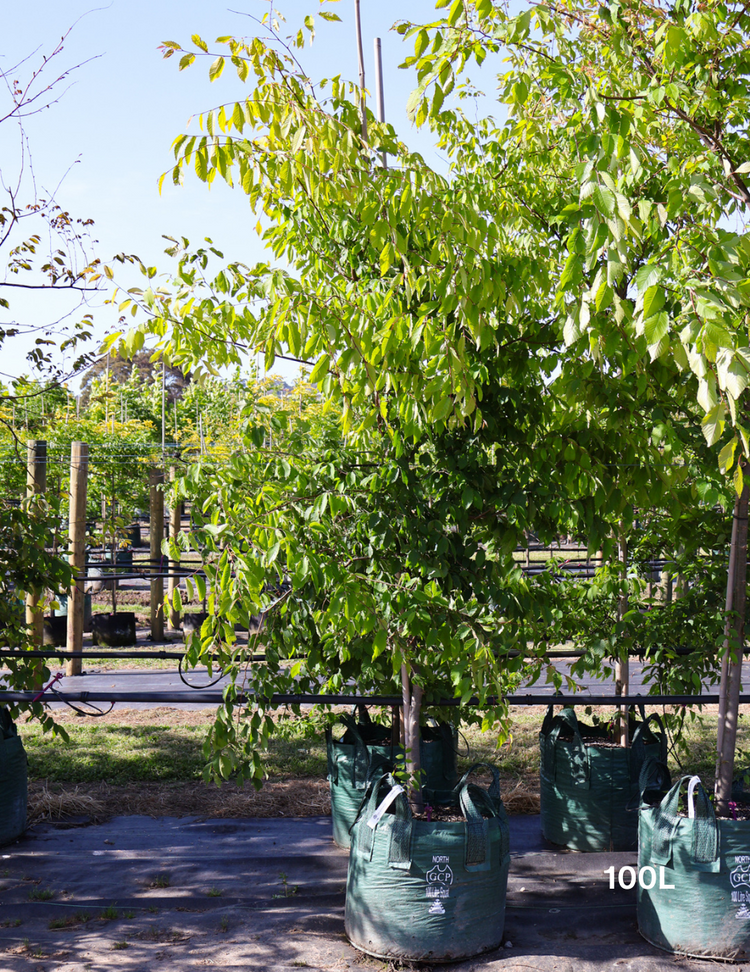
<point>36,486</point>
<point>731,673</point>
<point>411,694</point>
<point>622,666</point>
<point>728,606</point>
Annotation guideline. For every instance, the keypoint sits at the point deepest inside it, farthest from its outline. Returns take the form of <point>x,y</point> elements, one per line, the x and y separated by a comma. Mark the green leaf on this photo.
<point>387,256</point>
<point>656,327</point>
<point>726,456</point>
<point>320,370</point>
<point>739,479</point>
<point>379,643</point>
<point>653,301</point>
<point>604,200</point>
<point>455,12</point>
<point>647,276</point>
<point>216,68</point>
<point>421,43</point>
<point>713,424</point>
<point>443,408</point>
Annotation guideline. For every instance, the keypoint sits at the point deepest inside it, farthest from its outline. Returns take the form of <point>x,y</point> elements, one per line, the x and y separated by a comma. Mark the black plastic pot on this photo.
<point>133,533</point>
<point>113,630</point>
<point>192,623</point>
<point>62,611</point>
<point>56,631</point>
<point>123,558</point>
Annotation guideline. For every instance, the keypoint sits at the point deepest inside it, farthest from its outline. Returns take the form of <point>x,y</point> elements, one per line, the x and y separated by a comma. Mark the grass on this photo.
<point>105,752</point>
<point>41,894</point>
<point>166,746</point>
<point>69,921</point>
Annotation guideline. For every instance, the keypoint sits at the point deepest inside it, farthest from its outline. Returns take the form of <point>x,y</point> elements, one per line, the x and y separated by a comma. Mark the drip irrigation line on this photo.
<point>93,711</point>
<point>216,698</point>
<point>197,688</point>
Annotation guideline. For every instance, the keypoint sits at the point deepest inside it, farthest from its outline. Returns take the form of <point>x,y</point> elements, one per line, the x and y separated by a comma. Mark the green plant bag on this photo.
<point>13,781</point>
<point>700,902</point>
<point>365,751</point>
<point>428,891</point>
<point>589,794</point>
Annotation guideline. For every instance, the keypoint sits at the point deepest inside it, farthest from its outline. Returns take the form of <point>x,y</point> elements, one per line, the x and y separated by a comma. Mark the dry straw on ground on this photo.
<point>46,804</point>
<point>521,799</point>
<point>97,801</point>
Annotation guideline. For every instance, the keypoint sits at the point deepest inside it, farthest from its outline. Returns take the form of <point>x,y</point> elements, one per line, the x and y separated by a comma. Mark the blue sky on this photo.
<point>109,136</point>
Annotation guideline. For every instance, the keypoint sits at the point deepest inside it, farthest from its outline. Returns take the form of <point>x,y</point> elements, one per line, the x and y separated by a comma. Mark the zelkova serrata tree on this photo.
<point>426,317</point>
<point>653,103</point>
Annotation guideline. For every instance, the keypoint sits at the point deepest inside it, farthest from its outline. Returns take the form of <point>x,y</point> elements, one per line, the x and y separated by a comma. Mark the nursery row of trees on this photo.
<point>549,337</point>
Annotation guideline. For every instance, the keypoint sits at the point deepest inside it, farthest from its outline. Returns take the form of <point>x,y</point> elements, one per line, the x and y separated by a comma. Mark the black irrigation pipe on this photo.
<point>64,653</point>
<point>140,575</point>
<point>215,698</point>
<point>99,655</point>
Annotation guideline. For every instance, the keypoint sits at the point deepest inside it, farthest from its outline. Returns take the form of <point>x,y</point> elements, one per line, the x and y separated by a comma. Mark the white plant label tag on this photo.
<point>383,806</point>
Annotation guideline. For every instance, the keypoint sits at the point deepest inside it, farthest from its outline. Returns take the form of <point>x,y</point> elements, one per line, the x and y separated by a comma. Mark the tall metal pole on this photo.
<point>79,471</point>
<point>379,93</point>
<point>361,59</point>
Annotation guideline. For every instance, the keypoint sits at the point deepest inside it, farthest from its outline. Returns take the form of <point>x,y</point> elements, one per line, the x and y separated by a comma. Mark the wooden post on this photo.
<point>36,484</point>
<point>731,671</point>
<point>79,472</point>
<point>156,481</point>
<point>174,565</point>
<point>622,665</point>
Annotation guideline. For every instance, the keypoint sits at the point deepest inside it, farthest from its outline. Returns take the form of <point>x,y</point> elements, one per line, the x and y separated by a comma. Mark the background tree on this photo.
<point>652,102</point>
